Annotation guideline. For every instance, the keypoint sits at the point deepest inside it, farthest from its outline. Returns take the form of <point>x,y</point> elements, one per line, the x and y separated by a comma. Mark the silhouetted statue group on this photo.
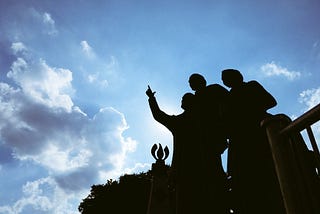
<point>213,120</point>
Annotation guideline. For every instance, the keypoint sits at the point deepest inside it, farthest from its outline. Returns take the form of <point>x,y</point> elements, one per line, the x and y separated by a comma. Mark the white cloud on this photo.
<point>59,160</point>
<point>113,62</point>
<point>138,167</point>
<point>18,47</point>
<point>40,124</point>
<point>48,85</point>
<point>105,71</point>
<point>272,69</point>
<point>87,49</point>
<point>59,139</point>
<point>96,79</point>
<point>49,24</point>
<point>42,195</point>
<point>46,21</point>
<point>85,46</point>
<point>310,97</point>
<point>62,140</point>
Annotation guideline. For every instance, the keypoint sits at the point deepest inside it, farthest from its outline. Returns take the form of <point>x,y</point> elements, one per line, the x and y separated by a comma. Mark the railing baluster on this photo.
<point>314,147</point>
<point>299,185</point>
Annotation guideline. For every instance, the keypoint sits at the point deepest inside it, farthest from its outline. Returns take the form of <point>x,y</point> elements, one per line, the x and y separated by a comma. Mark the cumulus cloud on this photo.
<point>272,69</point>
<point>41,195</point>
<point>41,124</point>
<point>32,196</point>
<point>42,83</point>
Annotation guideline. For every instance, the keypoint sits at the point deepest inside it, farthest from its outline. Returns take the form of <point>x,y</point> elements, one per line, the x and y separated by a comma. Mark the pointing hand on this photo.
<point>149,92</point>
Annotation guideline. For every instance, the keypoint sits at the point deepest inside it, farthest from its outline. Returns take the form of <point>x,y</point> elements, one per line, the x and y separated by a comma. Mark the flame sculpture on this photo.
<point>159,153</point>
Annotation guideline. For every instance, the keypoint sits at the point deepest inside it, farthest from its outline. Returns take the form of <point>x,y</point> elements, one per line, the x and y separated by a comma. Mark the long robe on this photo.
<point>210,103</point>
<point>187,162</point>
<point>254,182</point>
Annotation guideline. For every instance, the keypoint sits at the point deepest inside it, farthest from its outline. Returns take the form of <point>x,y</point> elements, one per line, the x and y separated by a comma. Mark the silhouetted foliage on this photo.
<point>128,195</point>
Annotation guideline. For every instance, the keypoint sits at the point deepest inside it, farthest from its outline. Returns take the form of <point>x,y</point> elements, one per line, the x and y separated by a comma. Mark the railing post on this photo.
<point>159,197</point>
<point>285,162</point>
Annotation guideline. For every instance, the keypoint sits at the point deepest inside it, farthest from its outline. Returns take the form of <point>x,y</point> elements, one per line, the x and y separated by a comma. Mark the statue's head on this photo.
<point>197,82</point>
<point>231,78</point>
<point>187,101</point>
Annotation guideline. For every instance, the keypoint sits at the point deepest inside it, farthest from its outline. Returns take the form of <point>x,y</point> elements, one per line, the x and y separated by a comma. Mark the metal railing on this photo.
<point>297,167</point>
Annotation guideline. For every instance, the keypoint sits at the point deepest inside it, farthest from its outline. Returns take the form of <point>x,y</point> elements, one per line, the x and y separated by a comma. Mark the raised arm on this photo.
<point>157,113</point>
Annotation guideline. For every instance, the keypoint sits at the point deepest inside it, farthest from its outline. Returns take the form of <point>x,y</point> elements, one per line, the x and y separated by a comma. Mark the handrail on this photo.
<point>304,122</point>
<point>298,169</point>
<point>307,119</point>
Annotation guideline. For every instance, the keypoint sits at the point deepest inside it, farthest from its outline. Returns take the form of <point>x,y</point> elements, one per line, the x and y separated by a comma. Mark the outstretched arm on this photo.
<point>157,113</point>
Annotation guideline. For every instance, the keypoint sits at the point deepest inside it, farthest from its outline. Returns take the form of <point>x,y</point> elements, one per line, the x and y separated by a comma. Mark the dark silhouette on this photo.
<point>196,181</point>
<point>254,182</point>
<point>186,160</point>
<point>145,192</point>
<point>209,110</point>
<point>161,195</point>
<point>128,195</point>
<point>210,101</point>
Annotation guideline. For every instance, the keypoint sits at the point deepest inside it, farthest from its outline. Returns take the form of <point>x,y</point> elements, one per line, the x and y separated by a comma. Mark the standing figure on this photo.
<point>254,183</point>
<point>186,160</point>
<point>209,108</point>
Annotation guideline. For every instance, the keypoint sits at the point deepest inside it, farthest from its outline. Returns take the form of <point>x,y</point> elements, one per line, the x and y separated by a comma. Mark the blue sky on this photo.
<point>73,76</point>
